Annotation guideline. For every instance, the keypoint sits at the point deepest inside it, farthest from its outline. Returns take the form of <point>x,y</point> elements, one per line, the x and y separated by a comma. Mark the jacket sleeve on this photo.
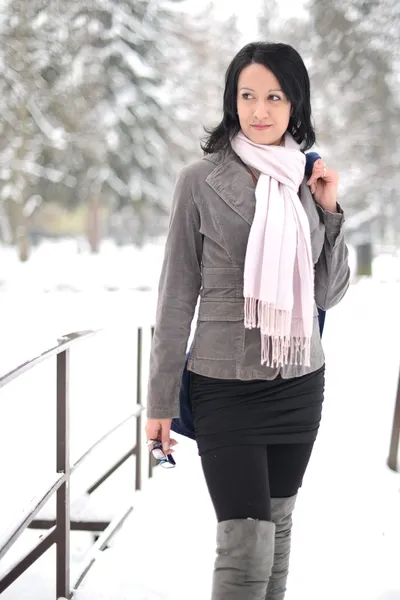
<point>178,293</point>
<point>332,272</point>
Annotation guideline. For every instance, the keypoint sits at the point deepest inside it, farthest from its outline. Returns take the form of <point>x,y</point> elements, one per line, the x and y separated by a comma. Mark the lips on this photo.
<point>261,127</point>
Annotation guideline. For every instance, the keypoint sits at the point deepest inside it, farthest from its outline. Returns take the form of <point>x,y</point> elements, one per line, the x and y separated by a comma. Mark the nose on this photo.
<point>261,112</point>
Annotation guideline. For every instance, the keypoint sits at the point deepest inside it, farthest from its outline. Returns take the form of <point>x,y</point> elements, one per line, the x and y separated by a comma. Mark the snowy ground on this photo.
<point>60,290</point>
<point>347,522</point>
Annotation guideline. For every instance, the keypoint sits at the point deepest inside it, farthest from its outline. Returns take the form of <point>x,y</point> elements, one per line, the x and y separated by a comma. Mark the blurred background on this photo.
<point>102,102</point>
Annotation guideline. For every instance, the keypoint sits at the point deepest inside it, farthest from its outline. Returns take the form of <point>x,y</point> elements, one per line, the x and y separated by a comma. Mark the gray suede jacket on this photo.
<point>212,212</point>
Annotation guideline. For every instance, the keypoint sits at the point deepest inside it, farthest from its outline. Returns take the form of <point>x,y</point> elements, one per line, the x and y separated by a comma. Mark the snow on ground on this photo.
<point>347,521</point>
<point>60,290</point>
<point>66,266</point>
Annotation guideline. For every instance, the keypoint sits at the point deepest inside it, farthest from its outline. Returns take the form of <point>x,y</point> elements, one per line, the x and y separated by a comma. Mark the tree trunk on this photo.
<point>23,243</point>
<point>19,227</point>
<point>364,259</point>
<point>94,225</point>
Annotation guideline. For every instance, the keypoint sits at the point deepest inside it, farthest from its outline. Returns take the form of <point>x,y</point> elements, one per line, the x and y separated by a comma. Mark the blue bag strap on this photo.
<point>311,157</point>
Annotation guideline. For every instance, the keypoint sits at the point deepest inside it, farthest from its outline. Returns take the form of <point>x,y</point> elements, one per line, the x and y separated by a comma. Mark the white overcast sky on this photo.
<point>247,11</point>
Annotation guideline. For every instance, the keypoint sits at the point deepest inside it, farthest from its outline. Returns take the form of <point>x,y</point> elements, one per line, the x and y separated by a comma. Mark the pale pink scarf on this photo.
<point>278,272</point>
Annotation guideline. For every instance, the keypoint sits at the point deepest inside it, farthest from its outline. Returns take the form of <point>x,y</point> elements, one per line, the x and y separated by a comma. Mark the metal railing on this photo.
<point>395,436</point>
<point>59,530</point>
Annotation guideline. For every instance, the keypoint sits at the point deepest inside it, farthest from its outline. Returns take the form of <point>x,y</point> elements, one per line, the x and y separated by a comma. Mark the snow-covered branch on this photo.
<point>50,174</point>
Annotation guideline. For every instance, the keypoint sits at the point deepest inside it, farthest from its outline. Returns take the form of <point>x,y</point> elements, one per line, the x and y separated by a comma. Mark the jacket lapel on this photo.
<point>309,205</point>
<point>233,183</point>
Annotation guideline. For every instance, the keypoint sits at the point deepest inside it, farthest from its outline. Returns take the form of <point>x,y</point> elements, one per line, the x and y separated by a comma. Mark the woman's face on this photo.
<point>263,109</point>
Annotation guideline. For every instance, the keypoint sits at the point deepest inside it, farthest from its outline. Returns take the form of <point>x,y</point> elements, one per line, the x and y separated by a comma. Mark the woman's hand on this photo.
<point>160,429</point>
<point>324,185</point>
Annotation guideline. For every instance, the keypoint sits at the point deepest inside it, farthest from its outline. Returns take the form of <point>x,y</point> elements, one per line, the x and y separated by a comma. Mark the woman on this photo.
<point>263,247</point>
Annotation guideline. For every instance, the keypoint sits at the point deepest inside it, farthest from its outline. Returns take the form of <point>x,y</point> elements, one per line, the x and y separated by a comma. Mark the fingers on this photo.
<point>160,429</point>
<point>321,176</point>
<point>318,172</point>
<point>170,448</point>
<point>321,171</point>
<point>165,439</point>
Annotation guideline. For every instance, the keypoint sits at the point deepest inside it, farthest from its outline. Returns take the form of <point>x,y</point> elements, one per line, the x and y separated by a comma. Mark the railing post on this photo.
<point>63,466</point>
<point>138,475</point>
<point>151,467</point>
<point>151,460</point>
<point>395,437</point>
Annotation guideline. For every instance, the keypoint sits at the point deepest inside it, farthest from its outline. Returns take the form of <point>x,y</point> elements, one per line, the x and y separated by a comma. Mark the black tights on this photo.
<point>242,480</point>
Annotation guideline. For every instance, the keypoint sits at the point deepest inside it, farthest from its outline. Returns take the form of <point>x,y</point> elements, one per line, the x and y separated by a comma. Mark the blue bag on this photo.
<point>184,423</point>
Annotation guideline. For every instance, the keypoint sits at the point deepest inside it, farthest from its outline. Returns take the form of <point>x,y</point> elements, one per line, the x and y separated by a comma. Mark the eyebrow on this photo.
<point>250,90</point>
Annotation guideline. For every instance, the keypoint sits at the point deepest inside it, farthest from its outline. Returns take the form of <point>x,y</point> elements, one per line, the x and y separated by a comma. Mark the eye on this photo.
<point>274,97</point>
<point>247,96</point>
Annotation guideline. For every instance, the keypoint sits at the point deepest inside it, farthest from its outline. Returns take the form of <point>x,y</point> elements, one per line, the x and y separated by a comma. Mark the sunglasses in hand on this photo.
<point>164,460</point>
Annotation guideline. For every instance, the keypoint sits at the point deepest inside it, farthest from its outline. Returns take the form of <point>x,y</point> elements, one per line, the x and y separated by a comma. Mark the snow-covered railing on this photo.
<point>395,437</point>
<point>59,531</point>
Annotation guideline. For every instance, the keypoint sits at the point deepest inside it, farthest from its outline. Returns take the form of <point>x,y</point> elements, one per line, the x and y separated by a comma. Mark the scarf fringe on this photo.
<point>280,344</point>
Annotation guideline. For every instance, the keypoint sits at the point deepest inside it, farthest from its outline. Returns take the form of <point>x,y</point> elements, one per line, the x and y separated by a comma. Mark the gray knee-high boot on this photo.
<point>281,513</point>
<point>245,553</point>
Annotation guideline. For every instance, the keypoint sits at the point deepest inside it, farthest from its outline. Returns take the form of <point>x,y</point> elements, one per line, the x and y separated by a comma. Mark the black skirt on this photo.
<point>280,411</point>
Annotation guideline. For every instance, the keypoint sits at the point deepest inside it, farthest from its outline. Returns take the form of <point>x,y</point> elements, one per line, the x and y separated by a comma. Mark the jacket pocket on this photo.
<point>220,331</point>
<point>222,282</point>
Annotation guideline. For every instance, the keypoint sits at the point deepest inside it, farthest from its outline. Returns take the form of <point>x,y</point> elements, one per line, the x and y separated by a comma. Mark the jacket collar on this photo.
<point>233,183</point>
